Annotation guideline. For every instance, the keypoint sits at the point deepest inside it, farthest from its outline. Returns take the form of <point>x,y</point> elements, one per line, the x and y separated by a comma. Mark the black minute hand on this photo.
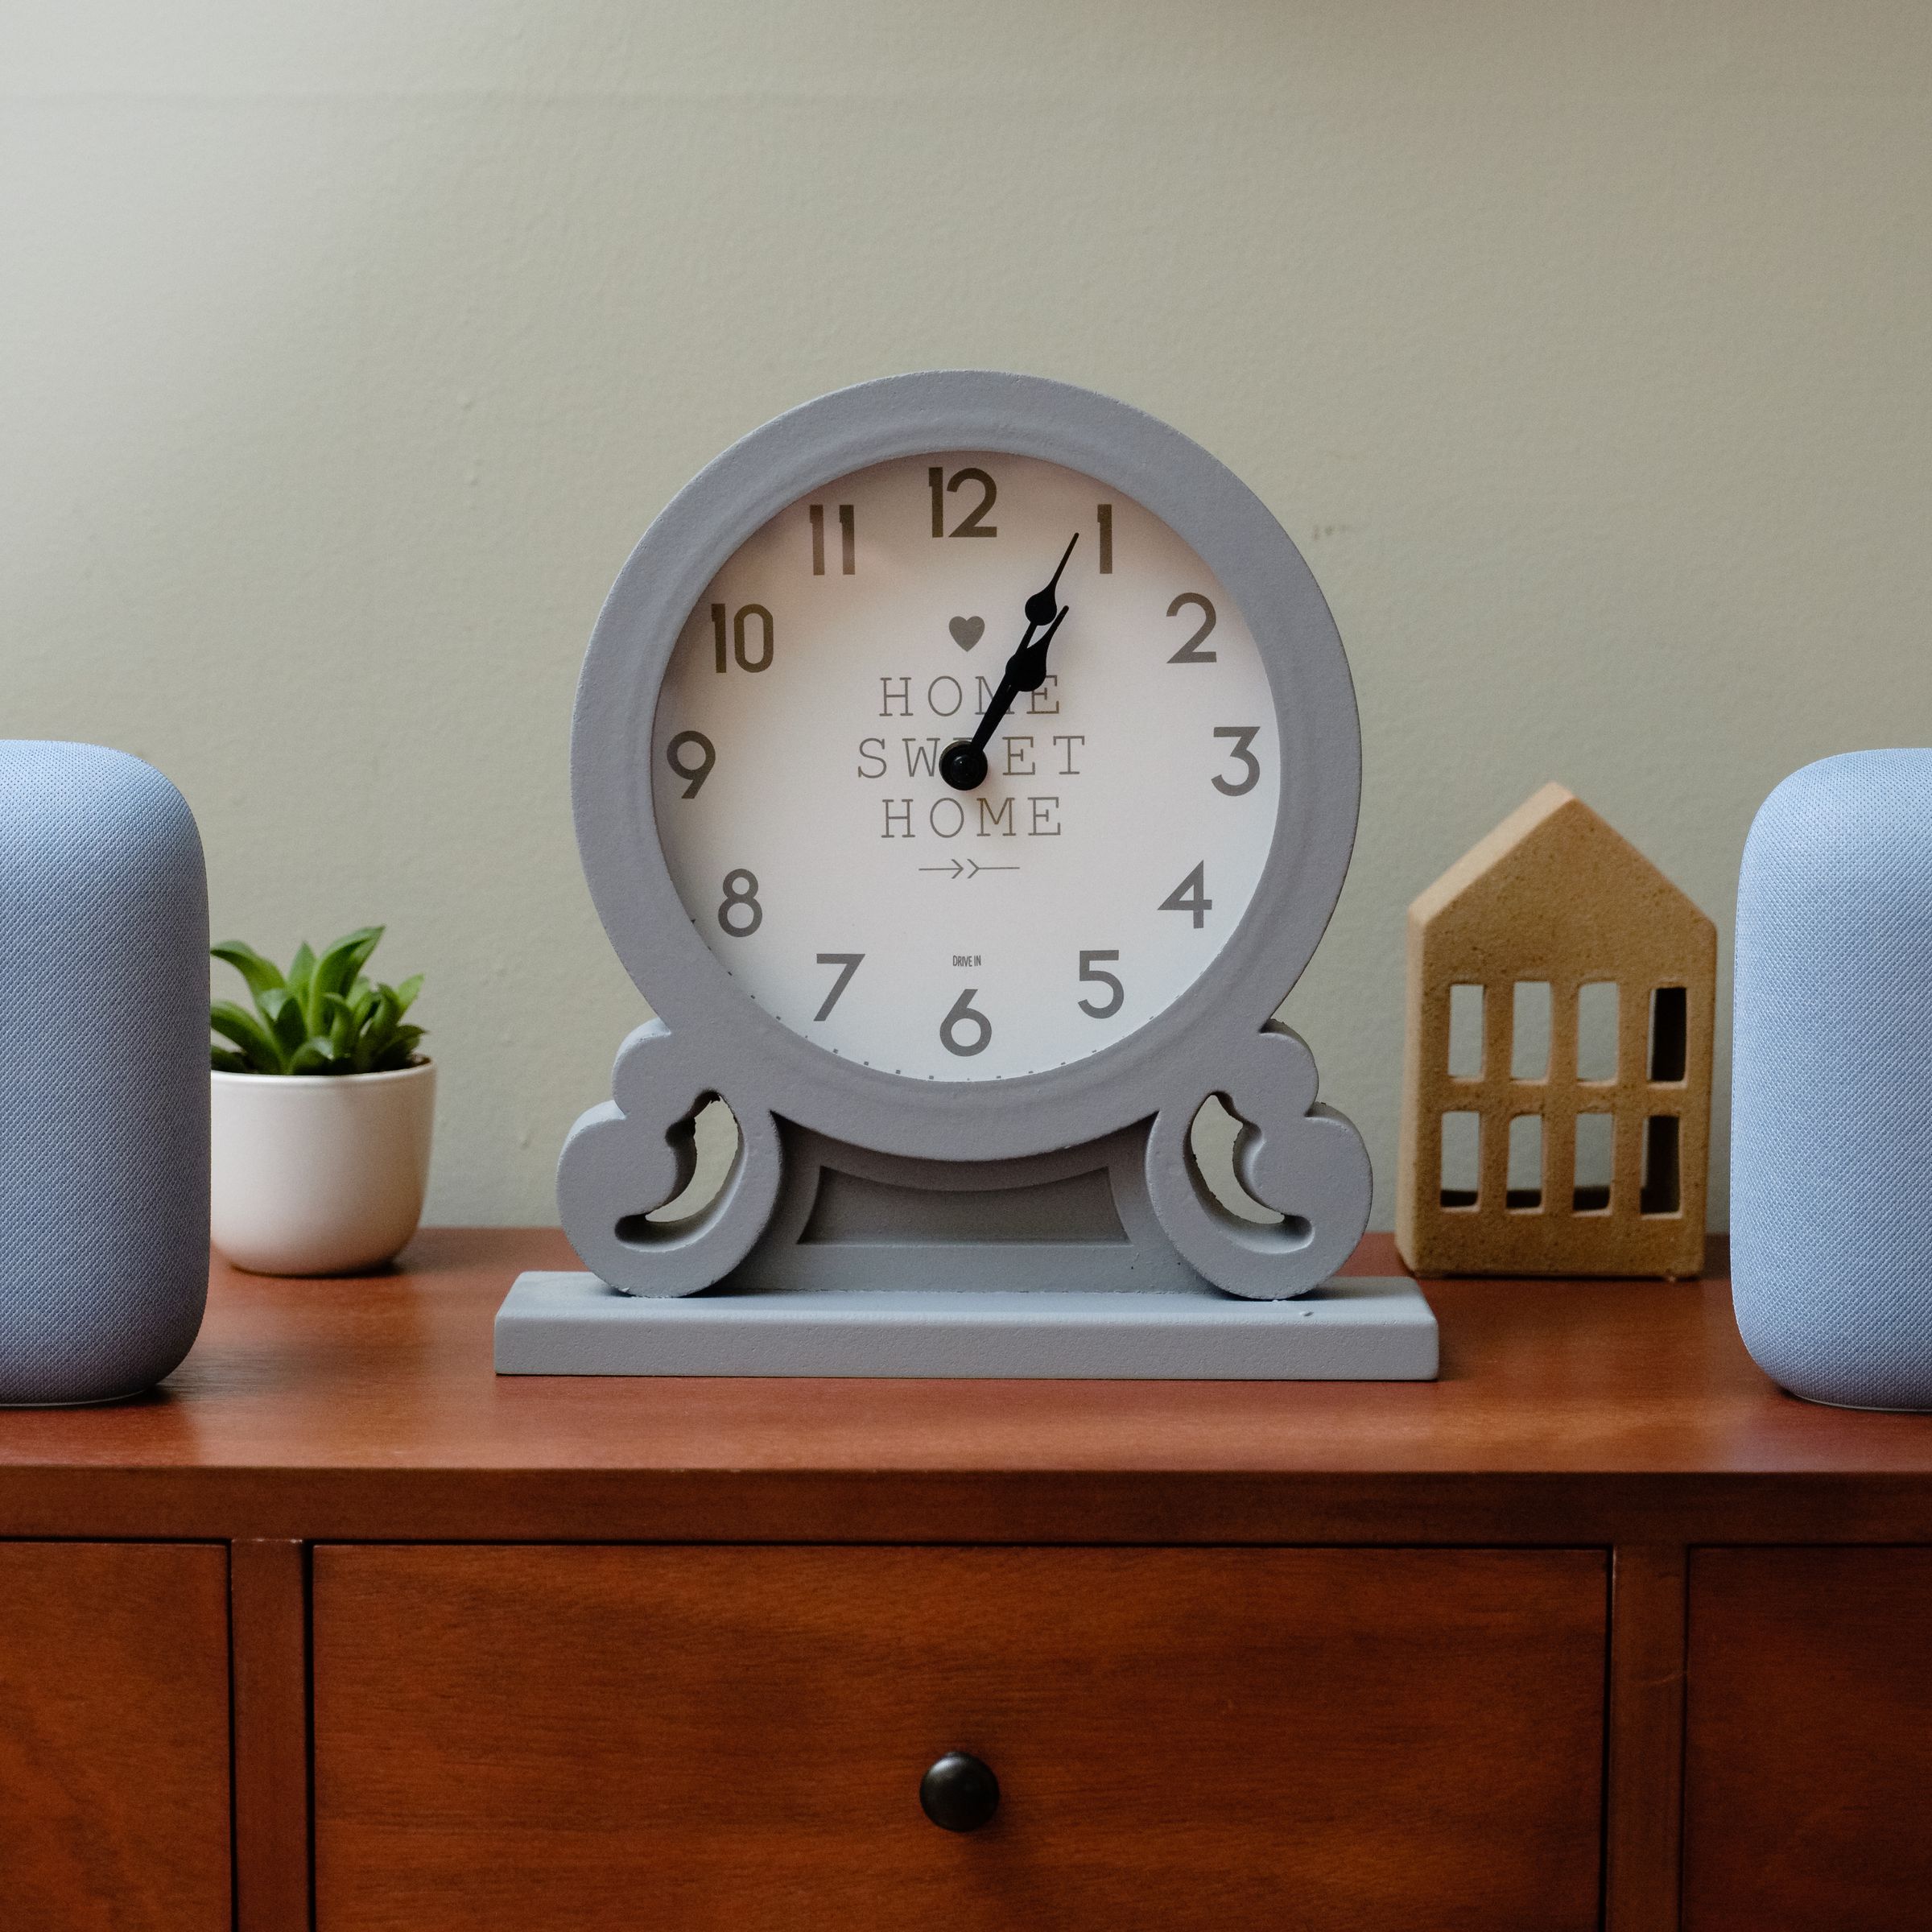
<point>963,763</point>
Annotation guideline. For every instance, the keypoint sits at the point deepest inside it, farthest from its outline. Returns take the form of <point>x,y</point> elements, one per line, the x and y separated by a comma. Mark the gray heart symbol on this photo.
<point>967,631</point>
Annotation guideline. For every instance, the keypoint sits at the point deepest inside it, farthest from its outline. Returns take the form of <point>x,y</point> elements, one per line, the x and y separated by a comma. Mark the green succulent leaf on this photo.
<point>323,1016</point>
<point>342,961</point>
<point>287,1020</point>
<point>259,1047</point>
<point>301,969</point>
<point>260,975</point>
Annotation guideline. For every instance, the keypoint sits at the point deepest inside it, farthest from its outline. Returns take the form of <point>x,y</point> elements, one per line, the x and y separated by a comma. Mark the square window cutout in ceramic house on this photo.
<point>1661,1191</point>
<point>1462,1160</point>
<point>1669,1031</point>
<point>1526,1194</point>
<point>1529,1031</point>
<point>1596,1020</point>
<point>1595,1160</point>
<point>1465,1033</point>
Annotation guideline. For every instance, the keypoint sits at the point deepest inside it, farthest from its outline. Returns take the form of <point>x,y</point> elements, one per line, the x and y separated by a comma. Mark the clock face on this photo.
<point>901,910</point>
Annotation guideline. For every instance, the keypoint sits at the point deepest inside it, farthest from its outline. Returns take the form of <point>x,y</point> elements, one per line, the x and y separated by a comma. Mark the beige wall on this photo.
<point>345,349</point>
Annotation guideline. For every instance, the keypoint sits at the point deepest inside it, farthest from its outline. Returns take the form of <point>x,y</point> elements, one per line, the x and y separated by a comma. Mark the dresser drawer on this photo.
<point>114,1737</point>
<point>1808,1760</point>
<point>733,1739</point>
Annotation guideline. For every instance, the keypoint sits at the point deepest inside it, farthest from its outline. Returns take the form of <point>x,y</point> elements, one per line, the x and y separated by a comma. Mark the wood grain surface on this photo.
<point>114,1738</point>
<point>732,1739</point>
<point>269,1639</point>
<point>1808,1765</point>
<point>1568,1413</point>
<point>1643,1814</point>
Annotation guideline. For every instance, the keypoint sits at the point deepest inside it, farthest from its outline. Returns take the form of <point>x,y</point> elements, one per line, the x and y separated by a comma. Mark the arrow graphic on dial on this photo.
<point>968,869</point>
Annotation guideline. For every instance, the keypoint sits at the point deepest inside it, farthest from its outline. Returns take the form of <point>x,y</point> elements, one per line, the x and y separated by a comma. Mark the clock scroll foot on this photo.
<point>1303,1160</point>
<point>635,1153</point>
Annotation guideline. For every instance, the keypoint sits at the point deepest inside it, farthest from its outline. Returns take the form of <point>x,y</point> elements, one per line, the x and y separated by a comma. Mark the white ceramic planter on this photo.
<point>319,1173</point>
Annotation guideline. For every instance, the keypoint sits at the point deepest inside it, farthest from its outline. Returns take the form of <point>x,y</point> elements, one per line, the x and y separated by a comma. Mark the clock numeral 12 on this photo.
<point>848,541</point>
<point>1105,513</point>
<point>974,524</point>
<point>1192,896</point>
<point>745,662</point>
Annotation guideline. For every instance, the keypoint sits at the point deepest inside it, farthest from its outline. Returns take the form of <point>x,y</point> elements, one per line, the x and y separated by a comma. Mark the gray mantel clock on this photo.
<point>965,767</point>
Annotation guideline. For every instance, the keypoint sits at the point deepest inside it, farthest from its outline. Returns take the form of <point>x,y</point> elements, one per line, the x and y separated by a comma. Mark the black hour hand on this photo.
<point>1028,668</point>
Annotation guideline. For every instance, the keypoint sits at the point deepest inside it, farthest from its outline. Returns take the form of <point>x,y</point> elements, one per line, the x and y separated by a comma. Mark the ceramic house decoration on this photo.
<point>1556,1094</point>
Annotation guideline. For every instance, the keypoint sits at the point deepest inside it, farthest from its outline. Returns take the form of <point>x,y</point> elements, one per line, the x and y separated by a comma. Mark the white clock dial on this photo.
<point>1045,912</point>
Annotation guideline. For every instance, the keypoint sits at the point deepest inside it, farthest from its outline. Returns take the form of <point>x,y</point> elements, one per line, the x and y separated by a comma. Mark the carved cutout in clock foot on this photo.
<point>1303,1161</point>
<point>713,1138</point>
<point>638,1187</point>
<point>1214,1145</point>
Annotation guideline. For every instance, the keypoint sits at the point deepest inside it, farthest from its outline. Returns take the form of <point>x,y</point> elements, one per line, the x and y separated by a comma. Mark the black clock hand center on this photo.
<point>963,763</point>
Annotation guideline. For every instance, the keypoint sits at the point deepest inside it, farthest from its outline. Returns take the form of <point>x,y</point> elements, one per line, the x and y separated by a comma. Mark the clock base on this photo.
<point>1356,1329</point>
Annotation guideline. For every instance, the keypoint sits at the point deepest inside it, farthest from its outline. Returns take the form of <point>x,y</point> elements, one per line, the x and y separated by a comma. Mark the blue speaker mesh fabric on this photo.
<point>1831,1110</point>
<point>103,1086</point>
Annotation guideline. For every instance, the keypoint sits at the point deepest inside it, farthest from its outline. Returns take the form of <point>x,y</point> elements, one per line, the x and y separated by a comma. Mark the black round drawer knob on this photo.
<point>959,1793</point>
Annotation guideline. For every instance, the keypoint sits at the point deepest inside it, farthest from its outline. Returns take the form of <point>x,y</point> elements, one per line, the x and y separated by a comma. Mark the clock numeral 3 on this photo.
<point>693,775</point>
<point>746,661</point>
<point>962,1014</point>
<point>1192,896</point>
<point>1088,977</point>
<point>973,525</point>
<point>1189,653</point>
<point>847,963</point>
<point>848,562</point>
<point>741,897</point>
<point>1244,736</point>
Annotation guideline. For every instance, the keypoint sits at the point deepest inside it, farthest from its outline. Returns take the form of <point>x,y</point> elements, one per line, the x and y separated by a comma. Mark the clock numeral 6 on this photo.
<point>847,963</point>
<point>1190,653</point>
<point>741,897</point>
<point>974,524</point>
<point>1192,896</point>
<point>693,775</point>
<point>1088,977</point>
<point>962,1014</point>
<point>1244,736</point>
<point>746,661</point>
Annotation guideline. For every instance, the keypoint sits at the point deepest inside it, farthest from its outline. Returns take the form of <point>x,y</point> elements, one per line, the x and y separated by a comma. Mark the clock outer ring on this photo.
<point>1184,1049</point>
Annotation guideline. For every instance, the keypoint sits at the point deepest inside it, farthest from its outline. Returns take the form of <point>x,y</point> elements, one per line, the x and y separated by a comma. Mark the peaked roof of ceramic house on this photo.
<point>1555,878</point>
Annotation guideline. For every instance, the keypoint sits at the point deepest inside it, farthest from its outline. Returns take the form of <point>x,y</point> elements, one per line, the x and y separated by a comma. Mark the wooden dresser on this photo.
<point>1600,1630</point>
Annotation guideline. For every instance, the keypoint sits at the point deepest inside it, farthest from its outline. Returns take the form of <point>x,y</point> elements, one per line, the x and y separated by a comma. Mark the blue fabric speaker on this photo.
<point>1831,1108</point>
<point>103,1079</point>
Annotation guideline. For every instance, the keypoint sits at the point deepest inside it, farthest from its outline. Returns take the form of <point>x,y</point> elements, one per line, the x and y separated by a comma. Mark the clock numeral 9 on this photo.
<point>741,897</point>
<point>1192,896</point>
<point>962,1014</point>
<point>737,637</point>
<point>1244,736</point>
<point>1090,977</point>
<point>693,775</point>
<point>974,525</point>
<point>1190,653</point>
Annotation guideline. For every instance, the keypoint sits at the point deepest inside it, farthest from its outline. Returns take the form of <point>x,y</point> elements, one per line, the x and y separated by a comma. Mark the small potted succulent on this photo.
<point>323,1112</point>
